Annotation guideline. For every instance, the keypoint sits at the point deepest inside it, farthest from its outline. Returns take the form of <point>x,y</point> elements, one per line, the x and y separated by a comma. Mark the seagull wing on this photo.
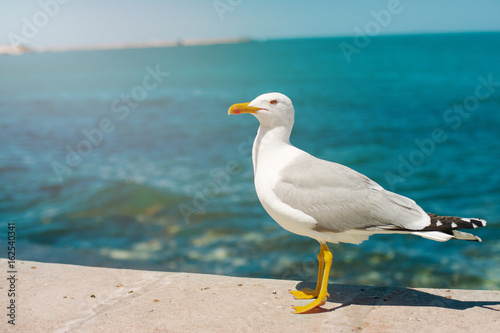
<point>341,199</point>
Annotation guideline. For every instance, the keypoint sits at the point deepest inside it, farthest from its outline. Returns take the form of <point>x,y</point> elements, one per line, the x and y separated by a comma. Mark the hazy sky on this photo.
<point>44,23</point>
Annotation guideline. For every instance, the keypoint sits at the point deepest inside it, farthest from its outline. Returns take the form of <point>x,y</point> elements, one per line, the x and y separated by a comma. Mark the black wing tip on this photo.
<point>476,222</point>
<point>449,223</point>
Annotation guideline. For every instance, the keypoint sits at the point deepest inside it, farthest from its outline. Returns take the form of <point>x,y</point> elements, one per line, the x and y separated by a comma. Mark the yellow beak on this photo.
<point>242,108</point>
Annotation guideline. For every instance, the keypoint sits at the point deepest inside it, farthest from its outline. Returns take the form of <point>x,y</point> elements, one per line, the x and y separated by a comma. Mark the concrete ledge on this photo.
<point>67,298</point>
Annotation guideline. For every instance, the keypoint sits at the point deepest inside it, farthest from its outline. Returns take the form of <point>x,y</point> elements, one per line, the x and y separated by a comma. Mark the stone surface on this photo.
<point>67,298</point>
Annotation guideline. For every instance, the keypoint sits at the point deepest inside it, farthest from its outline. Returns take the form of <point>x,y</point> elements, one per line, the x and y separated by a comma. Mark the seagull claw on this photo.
<point>314,304</point>
<point>305,293</point>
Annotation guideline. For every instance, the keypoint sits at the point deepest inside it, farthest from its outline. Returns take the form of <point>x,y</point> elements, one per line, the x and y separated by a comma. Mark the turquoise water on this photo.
<point>127,158</point>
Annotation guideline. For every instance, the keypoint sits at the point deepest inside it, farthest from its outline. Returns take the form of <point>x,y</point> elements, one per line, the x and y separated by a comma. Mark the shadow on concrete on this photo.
<point>393,296</point>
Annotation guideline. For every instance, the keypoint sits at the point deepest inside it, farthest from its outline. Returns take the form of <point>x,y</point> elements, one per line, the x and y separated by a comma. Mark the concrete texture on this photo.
<point>67,298</point>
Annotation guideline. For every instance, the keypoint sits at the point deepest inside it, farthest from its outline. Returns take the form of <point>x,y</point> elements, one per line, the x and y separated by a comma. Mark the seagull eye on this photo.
<point>274,101</point>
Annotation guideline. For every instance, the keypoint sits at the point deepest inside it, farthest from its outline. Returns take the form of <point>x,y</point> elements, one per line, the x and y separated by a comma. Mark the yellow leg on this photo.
<point>308,293</point>
<point>323,290</point>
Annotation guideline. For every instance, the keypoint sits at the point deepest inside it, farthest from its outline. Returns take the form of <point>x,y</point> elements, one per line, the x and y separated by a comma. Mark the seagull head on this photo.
<point>271,109</point>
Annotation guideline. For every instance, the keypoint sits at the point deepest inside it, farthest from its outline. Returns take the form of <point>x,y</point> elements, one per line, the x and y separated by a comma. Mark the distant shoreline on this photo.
<point>17,50</point>
<point>22,49</point>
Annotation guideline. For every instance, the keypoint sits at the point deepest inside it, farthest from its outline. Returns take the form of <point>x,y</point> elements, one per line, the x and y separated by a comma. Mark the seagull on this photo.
<point>328,201</point>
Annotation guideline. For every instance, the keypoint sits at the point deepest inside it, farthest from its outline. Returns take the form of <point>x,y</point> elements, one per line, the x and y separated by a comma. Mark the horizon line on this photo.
<point>22,49</point>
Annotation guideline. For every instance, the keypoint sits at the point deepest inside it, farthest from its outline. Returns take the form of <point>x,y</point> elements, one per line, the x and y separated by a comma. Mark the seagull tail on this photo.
<point>443,228</point>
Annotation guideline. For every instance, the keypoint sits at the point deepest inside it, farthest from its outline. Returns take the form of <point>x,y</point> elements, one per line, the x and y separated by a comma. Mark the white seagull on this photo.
<point>328,201</point>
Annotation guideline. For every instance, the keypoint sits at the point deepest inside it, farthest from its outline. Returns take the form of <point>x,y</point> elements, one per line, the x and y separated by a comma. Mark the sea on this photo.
<point>128,158</point>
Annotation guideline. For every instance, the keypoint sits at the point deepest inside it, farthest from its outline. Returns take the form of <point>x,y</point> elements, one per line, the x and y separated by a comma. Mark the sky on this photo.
<point>73,23</point>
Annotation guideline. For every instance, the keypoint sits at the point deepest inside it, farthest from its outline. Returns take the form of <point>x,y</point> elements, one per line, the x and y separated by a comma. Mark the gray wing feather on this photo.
<point>340,199</point>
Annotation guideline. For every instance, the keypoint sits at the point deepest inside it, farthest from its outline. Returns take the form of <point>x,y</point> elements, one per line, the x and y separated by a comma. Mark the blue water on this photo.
<point>163,179</point>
